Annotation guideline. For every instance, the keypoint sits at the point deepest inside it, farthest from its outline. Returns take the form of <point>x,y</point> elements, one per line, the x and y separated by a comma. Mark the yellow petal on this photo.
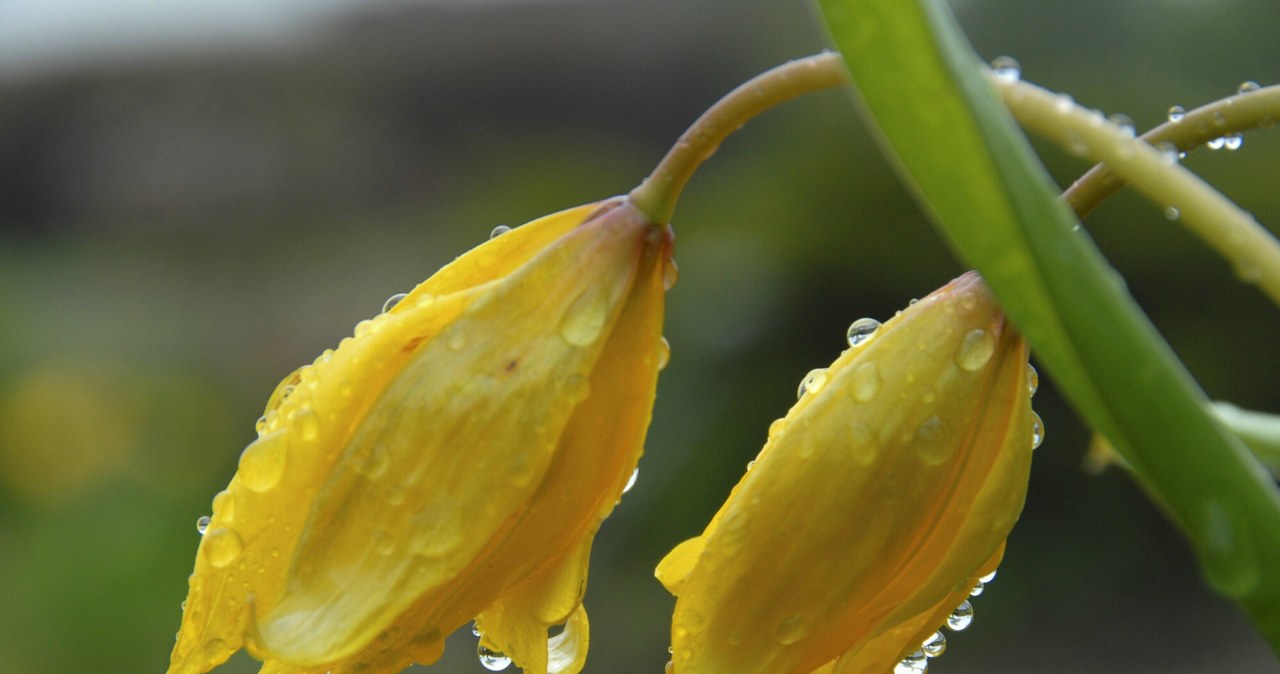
<point>674,569</point>
<point>890,484</point>
<point>367,457</point>
<point>445,461</point>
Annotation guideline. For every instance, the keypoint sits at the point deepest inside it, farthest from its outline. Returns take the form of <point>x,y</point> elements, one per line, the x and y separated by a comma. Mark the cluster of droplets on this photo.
<point>1230,141</point>
<point>936,644</point>
<point>1037,426</point>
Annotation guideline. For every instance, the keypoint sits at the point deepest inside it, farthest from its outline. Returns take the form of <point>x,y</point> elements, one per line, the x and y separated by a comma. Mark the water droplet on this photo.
<point>670,274</point>
<point>262,462</point>
<point>202,524</point>
<point>499,231</point>
<point>931,441</point>
<point>1230,555</point>
<point>864,382</point>
<point>987,578</point>
<point>585,318</point>
<point>975,350</point>
<point>1124,122</point>
<point>1216,143</point>
<point>392,301</point>
<point>978,589</point>
<point>1177,113</point>
<point>1006,68</point>
<point>1232,141</point>
<point>631,481</point>
<point>494,661</point>
<point>214,650</point>
<point>912,664</point>
<point>789,630</point>
<point>961,617</point>
<point>224,506</point>
<point>1033,379</point>
<point>261,425</point>
<point>384,544</point>
<point>812,382</point>
<point>1169,153</point>
<point>307,423</point>
<point>664,353</point>
<point>935,645</point>
<point>1064,104</point>
<point>475,631</point>
<point>1037,430</point>
<point>1248,87</point>
<point>775,428</point>
<point>362,328</point>
<point>1172,213</point>
<point>221,547</point>
<point>862,330</point>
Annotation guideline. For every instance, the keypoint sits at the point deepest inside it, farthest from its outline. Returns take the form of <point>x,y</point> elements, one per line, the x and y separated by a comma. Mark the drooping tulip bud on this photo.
<point>451,461</point>
<point>874,509</point>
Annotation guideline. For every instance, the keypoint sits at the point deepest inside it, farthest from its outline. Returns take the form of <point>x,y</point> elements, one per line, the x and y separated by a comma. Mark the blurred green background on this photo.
<point>195,198</point>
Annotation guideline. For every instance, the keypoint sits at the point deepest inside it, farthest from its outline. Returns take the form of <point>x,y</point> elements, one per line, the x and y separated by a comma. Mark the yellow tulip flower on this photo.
<point>875,507</point>
<point>452,460</point>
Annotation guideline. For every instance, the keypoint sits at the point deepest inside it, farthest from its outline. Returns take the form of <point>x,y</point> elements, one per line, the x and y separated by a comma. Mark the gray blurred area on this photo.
<point>194,201</point>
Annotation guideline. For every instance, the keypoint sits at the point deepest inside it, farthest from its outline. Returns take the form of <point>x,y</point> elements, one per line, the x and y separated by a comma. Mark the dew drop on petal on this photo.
<point>1248,87</point>
<point>935,645</point>
<point>202,524</point>
<point>1006,68</point>
<point>494,661</point>
<point>864,382</point>
<point>790,630</point>
<point>262,462</point>
<point>1177,113</point>
<point>499,231</point>
<point>1172,213</point>
<point>393,301</point>
<point>1037,430</point>
<point>1216,143</point>
<point>776,428</point>
<point>931,441</point>
<point>585,318</point>
<point>631,481</point>
<point>307,423</point>
<point>978,589</point>
<point>975,350</point>
<point>664,353</point>
<point>1232,141</point>
<point>960,618</point>
<point>987,578</point>
<point>862,330</point>
<point>812,382</point>
<point>670,274</point>
<point>913,664</point>
<point>221,547</point>
<point>1033,379</point>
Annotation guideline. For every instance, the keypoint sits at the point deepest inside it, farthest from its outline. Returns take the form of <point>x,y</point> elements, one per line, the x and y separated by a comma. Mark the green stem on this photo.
<point>1235,114</point>
<point>1250,248</point>
<point>656,197</point>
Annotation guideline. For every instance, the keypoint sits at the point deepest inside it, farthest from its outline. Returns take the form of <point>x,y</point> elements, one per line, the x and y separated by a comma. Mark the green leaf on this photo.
<point>976,175</point>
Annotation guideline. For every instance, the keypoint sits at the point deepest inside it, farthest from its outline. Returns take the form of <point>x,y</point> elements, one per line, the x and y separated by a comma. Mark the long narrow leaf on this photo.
<point>977,176</point>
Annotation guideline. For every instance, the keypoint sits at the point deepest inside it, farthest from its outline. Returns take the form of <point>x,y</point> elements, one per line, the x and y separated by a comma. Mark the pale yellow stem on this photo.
<point>1233,233</point>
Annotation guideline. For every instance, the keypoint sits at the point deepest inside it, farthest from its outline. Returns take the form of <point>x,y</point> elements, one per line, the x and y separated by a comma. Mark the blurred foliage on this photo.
<point>179,231</point>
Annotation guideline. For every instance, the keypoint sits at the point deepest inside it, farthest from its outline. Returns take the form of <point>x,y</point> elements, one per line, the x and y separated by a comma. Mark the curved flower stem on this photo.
<point>1234,114</point>
<point>656,196</point>
<point>1252,250</point>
